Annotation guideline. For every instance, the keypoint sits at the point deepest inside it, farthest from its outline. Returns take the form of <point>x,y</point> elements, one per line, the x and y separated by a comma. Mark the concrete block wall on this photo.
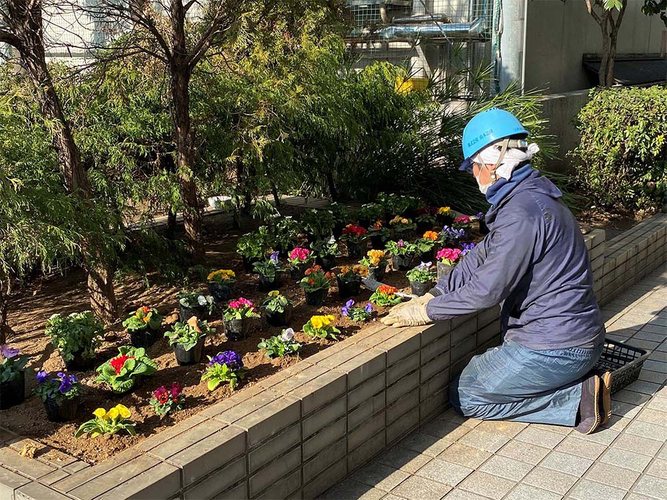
<point>300,431</point>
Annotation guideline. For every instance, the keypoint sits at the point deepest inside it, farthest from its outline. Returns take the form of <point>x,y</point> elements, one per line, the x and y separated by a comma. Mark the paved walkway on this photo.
<point>461,459</point>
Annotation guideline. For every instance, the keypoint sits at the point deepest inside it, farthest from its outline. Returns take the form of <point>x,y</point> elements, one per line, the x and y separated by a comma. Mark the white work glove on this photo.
<point>411,313</point>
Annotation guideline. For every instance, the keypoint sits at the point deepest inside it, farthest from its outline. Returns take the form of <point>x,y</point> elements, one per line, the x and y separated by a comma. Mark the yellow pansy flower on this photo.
<point>100,413</point>
<point>123,411</point>
<point>444,210</point>
<point>317,322</point>
<point>112,414</point>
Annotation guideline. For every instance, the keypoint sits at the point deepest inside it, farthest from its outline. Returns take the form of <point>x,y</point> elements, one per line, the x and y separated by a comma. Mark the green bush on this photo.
<point>622,158</point>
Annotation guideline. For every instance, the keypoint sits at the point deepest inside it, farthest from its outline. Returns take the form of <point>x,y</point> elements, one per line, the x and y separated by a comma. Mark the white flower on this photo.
<point>287,335</point>
<point>202,300</point>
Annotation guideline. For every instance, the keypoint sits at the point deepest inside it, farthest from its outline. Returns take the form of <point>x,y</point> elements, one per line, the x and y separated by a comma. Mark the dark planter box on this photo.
<point>420,289</point>
<point>316,298</point>
<point>402,262</point>
<point>12,393</point>
<point>79,363</point>
<point>348,289</point>
<point>237,329</point>
<point>280,319</point>
<point>221,292</point>
<point>327,263</point>
<point>192,356</point>
<point>64,411</point>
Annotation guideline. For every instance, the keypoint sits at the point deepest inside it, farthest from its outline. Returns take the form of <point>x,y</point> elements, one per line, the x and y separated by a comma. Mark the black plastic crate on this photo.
<point>624,361</point>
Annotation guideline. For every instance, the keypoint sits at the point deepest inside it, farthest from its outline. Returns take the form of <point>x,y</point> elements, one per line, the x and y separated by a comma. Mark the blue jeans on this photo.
<point>512,382</point>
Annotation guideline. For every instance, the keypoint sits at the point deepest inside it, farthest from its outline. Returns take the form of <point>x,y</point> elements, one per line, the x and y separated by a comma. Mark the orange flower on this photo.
<point>387,290</point>
<point>430,235</point>
<point>145,309</point>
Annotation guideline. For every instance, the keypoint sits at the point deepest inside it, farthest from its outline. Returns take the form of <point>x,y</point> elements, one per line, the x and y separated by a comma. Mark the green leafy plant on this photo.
<point>399,204</point>
<point>319,223</point>
<point>284,232</point>
<point>74,334</point>
<point>400,248</point>
<point>240,309</point>
<point>385,296</point>
<point>254,245</point>
<point>196,300</point>
<point>316,279</point>
<point>164,401</point>
<point>120,373</point>
<point>281,345</point>
<point>378,230</point>
<point>11,364</point>
<point>108,422</point>
<point>188,334</point>
<point>268,268</point>
<point>402,225</point>
<point>370,211</point>
<point>325,248</point>
<point>356,313</point>
<point>276,302</point>
<point>144,317</point>
<point>422,273</point>
<point>224,367</point>
<point>321,327</point>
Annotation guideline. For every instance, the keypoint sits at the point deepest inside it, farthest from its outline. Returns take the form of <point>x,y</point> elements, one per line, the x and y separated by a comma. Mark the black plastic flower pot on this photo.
<point>327,262</point>
<point>221,292</point>
<point>188,312</point>
<point>426,256</point>
<point>365,222</point>
<point>420,289</point>
<point>347,289</point>
<point>61,411</point>
<point>267,285</point>
<point>142,338</point>
<point>237,329</point>
<point>377,242</point>
<point>377,273</point>
<point>316,298</point>
<point>12,392</point>
<point>443,270</point>
<point>297,272</point>
<point>356,250</point>
<point>338,230</point>
<point>280,318</point>
<point>192,356</point>
<point>404,235</point>
<point>402,262</point>
<point>248,263</point>
<point>79,362</point>
<point>445,220</point>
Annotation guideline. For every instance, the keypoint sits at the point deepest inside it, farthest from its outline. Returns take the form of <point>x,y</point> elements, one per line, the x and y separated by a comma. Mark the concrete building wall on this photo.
<point>560,32</point>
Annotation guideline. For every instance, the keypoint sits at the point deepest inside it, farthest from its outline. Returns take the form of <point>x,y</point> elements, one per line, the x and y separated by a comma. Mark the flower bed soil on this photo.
<point>68,294</point>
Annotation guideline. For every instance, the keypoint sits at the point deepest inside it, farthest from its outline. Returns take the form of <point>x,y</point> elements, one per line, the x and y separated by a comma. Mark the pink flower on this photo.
<point>450,254</point>
<point>462,219</point>
<point>240,303</point>
<point>299,254</point>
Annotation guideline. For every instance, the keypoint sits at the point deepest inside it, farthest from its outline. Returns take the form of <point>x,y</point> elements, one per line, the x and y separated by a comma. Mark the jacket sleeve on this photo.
<point>460,275</point>
<point>510,251</point>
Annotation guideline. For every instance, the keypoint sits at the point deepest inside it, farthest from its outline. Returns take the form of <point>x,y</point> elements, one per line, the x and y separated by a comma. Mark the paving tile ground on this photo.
<point>453,458</point>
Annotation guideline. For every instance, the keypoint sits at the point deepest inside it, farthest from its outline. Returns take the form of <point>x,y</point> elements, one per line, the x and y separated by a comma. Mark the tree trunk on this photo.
<point>5,329</point>
<point>332,186</point>
<point>192,214</point>
<point>28,29</point>
<point>606,52</point>
<point>276,196</point>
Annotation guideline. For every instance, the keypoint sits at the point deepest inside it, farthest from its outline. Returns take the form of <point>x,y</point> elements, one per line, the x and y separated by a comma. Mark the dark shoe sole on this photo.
<point>605,380</point>
<point>589,425</point>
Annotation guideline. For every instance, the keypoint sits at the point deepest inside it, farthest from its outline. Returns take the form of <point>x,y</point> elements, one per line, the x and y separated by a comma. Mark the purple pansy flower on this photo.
<point>453,234</point>
<point>66,382</point>
<point>480,215</point>
<point>424,266</point>
<point>274,257</point>
<point>345,310</point>
<point>467,247</point>
<point>368,308</point>
<point>8,352</point>
<point>42,376</point>
<point>287,335</point>
<point>229,358</point>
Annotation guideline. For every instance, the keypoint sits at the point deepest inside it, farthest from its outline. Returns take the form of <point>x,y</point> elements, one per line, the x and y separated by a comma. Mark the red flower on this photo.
<point>175,389</point>
<point>311,281</point>
<point>163,398</point>
<point>175,400</point>
<point>145,309</point>
<point>117,363</point>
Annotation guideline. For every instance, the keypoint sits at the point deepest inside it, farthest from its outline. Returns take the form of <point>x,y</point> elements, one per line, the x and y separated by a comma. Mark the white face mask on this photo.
<point>483,188</point>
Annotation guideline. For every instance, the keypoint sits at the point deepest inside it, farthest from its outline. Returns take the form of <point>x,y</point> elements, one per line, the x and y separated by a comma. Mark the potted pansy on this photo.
<point>144,326</point>
<point>75,337</point>
<point>278,309</point>
<point>281,345</point>
<point>378,235</point>
<point>376,261</point>
<point>349,280</point>
<point>425,245</point>
<point>402,227</point>
<point>108,422</point>
<point>326,251</point>
<point>269,272</point>
<point>122,372</point>
<point>224,367</point>
<point>12,377</point>
<point>421,278</point>
<point>450,236</point>
<point>237,318</point>
<point>252,247</point>
<point>385,296</point>
<point>187,340</point>
<point>447,259</point>
<point>355,238</point>
<point>194,304</point>
<point>299,260</point>
<point>221,284</point>
<point>368,213</point>
<point>445,216</point>
<point>316,284</point>
<point>402,253</point>
<point>60,394</point>
<point>321,327</point>
<point>356,313</point>
<point>165,400</point>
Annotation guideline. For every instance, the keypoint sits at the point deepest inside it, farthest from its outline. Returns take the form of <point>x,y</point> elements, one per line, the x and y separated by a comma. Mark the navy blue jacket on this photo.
<point>534,261</point>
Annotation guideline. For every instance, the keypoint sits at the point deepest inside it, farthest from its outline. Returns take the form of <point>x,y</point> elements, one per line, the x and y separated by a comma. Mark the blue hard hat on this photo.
<point>488,127</point>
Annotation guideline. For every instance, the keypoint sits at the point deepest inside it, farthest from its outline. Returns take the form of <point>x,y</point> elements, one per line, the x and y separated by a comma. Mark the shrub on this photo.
<point>76,333</point>
<point>622,157</point>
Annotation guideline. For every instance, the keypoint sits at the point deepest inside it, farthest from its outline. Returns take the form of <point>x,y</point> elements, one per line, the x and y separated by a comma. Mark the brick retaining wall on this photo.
<point>297,433</point>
